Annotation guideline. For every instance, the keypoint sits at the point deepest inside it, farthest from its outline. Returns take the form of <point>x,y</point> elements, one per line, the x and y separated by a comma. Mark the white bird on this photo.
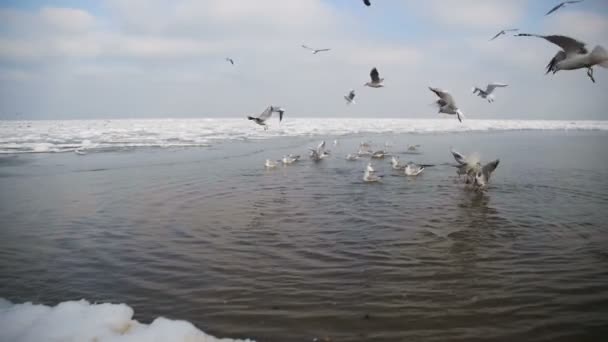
<point>365,149</point>
<point>228,59</point>
<point>487,94</point>
<point>563,4</point>
<point>503,32</point>
<point>369,175</point>
<point>396,164</point>
<point>270,164</point>
<point>352,157</point>
<point>319,153</point>
<point>482,175</point>
<point>350,97</point>
<point>379,154</point>
<point>376,81</point>
<point>412,169</point>
<point>290,159</point>
<point>266,114</point>
<point>446,103</point>
<point>574,54</point>
<point>471,167</point>
<point>412,148</point>
<point>315,51</point>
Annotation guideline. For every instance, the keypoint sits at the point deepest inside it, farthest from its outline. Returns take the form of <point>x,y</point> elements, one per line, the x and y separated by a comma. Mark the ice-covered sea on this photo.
<point>110,135</point>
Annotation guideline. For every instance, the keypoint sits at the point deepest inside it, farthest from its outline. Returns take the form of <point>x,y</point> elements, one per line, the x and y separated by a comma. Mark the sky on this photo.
<point>102,59</point>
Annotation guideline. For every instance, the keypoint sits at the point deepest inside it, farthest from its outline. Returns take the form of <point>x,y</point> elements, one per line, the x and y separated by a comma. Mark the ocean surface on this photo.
<point>179,218</point>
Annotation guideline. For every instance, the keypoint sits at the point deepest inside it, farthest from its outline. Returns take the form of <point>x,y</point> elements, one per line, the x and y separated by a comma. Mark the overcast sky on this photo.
<point>62,59</point>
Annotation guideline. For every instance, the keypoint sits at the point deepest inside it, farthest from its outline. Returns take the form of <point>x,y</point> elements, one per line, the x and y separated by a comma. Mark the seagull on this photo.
<point>487,94</point>
<point>319,153</point>
<point>365,149</point>
<point>315,51</point>
<point>412,169</point>
<point>266,114</point>
<point>413,148</point>
<point>446,103</point>
<point>270,164</point>
<point>350,97</point>
<point>367,3</point>
<point>379,154</point>
<point>465,165</point>
<point>503,32</point>
<point>228,59</point>
<point>352,157</point>
<point>562,5</point>
<point>574,55</point>
<point>370,176</point>
<point>290,159</point>
<point>482,174</point>
<point>376,82</point>
<point>395,164</point>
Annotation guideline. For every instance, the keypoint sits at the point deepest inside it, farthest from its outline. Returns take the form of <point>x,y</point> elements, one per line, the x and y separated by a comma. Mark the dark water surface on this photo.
<point>208,235</point>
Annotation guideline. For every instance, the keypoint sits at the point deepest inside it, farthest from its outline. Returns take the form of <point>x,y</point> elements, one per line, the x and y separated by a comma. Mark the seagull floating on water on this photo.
<point>446,103</point>
<point>350,97</point>
<point>319,153</point>
<point>563,4</point>
<point>487,94</point>
<point>352,157</point>
<point>270,164</point>
<point>503,32</point>
<point>379,154</point>
<point>413,148</point>
<point>475,173</point>
<point>396,164</point>
<point>290,159</point>
<point>266,114</point>
<point>228,59</point>
<point>369,175</point>
<point>376,81</point>
<point>574,55</point>
<point>315,51</point>
<point>412,169</point>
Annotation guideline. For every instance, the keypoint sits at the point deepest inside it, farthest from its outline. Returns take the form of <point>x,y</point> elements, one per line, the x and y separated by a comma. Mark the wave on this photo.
<point>83,321</point>
<point>83,136</point>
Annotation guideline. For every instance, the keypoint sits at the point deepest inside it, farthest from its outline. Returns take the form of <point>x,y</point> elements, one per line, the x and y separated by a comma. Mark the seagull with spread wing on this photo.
<point>488,93</point>
<point>446,103</point>
<point>563,4</point>
<point>376,81</point>
<point>574,54</point>
<point>503,32</point>
<point>315,51</point>
<point>230,60</point>
<point>266,114</point>
<point>350,97</point>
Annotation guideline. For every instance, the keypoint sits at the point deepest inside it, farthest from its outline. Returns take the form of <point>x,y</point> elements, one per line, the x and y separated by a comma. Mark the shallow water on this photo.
<point>310,251</point>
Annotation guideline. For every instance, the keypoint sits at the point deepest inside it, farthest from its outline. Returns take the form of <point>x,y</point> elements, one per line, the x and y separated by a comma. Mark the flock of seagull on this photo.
<point>573,55</point>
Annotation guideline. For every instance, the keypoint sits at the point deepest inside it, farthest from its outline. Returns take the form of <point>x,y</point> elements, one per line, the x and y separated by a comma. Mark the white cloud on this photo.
<point>490,14</point>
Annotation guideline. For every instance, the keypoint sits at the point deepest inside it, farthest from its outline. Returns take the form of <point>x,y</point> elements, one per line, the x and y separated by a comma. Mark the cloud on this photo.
<point>490,14</point>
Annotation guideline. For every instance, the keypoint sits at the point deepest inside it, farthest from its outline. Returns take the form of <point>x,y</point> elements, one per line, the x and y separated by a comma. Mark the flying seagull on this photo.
<point>376,81</point>
<point>446,103</point>
<point>482,174</point>
<point>350,97</point>
<point>315,51</point>
<point>503,32</point>
<point>487,94</point>
<point>228,59</point>
<point>562,5</point>
<point>367,3</point>
<point>574,55</point>
<point>319,153</point>
<point>266,114</point>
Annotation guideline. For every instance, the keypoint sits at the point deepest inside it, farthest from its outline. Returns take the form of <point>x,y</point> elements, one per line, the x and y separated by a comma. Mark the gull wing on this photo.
<point>569,45</point>
<point>460,158</point>
<point>489,168</point>
<point>321,147</point>
<point>556,8</point>
<point>497,35</point>
<point>308,48</point>
<point>375,76</point>
<point>321,50</point>
<point>445,96</point>
<point>267,113</point>
<point>495,85</point>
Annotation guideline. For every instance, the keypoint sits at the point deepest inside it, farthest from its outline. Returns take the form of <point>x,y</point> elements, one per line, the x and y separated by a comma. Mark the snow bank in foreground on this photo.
<point>82,321</point>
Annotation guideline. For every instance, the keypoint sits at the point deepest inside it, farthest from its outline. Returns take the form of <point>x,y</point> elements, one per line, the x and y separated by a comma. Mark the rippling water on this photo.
<point>310,251</point>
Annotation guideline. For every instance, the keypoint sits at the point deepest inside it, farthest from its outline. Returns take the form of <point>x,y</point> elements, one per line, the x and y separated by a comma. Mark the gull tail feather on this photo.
<point>599,55</point>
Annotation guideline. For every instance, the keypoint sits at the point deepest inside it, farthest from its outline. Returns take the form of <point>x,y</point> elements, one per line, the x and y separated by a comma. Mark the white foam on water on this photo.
<point>102,135</point>
<point>83,321</point>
